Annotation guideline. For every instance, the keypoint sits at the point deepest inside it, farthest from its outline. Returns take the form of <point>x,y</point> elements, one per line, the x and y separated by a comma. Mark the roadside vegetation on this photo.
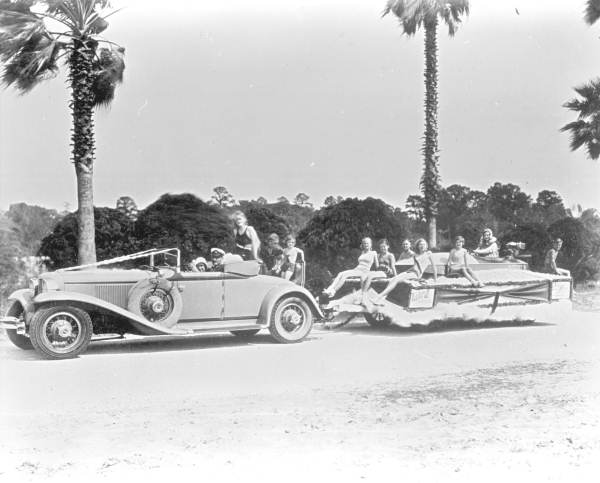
<point>33,238</point>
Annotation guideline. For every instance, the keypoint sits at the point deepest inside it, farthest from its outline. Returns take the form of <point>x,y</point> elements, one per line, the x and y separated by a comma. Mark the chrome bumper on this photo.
<point>13,323</point>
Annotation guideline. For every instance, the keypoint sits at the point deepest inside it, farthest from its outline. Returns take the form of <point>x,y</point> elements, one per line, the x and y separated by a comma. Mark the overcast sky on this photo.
<point>274,97</point>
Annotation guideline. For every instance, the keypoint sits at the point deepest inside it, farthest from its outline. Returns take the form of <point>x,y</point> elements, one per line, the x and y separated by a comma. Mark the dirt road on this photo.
<point>357,404</point>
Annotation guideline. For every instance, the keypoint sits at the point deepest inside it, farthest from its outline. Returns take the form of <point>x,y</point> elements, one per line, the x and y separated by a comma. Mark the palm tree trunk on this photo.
<point>80,64</point>
<point>430,180</point>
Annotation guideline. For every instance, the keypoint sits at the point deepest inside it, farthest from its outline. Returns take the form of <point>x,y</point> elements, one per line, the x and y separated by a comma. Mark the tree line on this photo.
<point>330,235</point>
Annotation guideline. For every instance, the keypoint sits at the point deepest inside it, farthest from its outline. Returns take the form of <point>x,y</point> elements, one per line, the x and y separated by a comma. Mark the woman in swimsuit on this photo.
<point>366,260</point>
<point>292,257</point>
<point>422,260</point>
<point>246,239</point>
<point>488,245</point>
<point>457,265</point>
<point>387,267</point>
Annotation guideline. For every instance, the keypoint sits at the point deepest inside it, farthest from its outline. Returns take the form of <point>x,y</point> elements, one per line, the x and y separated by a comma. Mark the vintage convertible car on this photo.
<point>511,290</point>
<point>62,310</point>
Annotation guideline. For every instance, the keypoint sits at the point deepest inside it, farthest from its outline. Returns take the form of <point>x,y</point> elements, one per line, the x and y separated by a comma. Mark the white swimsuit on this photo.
<point>366,260</point>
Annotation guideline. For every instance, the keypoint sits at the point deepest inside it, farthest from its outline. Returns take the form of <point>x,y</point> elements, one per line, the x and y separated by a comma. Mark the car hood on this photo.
<point>96,276</point>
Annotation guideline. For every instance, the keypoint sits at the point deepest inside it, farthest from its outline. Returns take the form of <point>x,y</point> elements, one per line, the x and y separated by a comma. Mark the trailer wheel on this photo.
<point>378,320</point>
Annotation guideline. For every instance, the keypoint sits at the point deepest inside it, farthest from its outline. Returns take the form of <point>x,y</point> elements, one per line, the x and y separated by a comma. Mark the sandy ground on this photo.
<point>518,402</point>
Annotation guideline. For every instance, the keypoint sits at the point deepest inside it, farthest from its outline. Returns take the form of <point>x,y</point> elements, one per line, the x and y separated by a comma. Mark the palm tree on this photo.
<point>35,35</point>
<point>585,131</point>
<point>592,11</point>
<point>414,14</point>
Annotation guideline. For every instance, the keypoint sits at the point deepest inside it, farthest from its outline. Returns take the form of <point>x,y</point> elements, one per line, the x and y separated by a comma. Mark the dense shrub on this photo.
<point>114,237</point>
<point>535,237</point>
<point>332,237</point>
<point>266,222</point>
<point>183,221</point>
<point>581,247</point>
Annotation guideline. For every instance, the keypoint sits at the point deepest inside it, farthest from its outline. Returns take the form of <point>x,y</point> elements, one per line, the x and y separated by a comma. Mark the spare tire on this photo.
<point>157,300</point>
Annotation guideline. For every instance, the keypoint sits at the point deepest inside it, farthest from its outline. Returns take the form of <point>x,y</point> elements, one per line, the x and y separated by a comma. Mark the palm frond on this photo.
<point>108,72</point>
<point>16,29</point>
<point>35,62</point>
<point>414,14</point>
<point>592,11</point>
<point>588,103</point>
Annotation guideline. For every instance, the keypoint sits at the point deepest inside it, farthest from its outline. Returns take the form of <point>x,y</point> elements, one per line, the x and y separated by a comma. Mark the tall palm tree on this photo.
<point>426,14</point>
<point>585,131</point>
<point>35,36</point>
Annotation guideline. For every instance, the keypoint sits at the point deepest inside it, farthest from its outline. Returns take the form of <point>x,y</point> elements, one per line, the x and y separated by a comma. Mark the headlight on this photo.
<point>38,285</point>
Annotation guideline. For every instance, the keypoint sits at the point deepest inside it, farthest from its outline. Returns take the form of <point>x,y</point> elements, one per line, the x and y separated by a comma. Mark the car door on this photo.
<point>244,296</point>
<point>202,297</point>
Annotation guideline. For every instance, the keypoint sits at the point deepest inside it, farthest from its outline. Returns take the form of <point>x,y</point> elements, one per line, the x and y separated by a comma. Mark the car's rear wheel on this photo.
<point>378,320</point>
<point>157,300</point>
<point>244,334</point>
<point>291,320</point>
<point>60,332</point>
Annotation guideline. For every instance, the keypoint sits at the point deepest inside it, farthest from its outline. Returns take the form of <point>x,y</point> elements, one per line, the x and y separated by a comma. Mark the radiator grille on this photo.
<point>115,293</point>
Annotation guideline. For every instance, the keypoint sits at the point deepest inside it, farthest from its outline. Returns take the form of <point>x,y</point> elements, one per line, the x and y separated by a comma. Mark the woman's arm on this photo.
<point>393,260</point>
<point>433,267</point>
<point>255,241</point>
<point>486,251</point>
<point>375,259</point>
<point>448,264</point>
<point>465,257</point>
<point>553,255</point>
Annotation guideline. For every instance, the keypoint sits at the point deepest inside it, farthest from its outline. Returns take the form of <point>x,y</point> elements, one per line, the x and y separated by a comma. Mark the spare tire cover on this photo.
<point>157,300</point>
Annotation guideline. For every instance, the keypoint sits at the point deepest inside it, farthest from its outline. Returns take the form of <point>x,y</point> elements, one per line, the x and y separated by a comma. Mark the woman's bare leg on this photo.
<point>465,273</point>
<point>338,281</point>
<point>473,278</point>
<point>366,285</point>
<point>392,284</point>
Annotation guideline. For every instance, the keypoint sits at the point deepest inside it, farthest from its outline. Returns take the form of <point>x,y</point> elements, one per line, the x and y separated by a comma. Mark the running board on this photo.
<point>219,325</point>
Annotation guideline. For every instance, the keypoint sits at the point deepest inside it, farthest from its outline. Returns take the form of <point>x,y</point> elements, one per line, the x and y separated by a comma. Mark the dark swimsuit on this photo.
<point>243,245</point>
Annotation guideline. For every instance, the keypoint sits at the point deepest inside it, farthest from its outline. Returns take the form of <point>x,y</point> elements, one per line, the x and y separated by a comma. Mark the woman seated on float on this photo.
<point>488,246</point>
<point>366,260</point>
<point>406,252</point>
<point>421,261</point>
<point>292,258</point>
<point>387,266</point>
<point>247,242</point>
<point>457,265</point>
<point>550,259</point>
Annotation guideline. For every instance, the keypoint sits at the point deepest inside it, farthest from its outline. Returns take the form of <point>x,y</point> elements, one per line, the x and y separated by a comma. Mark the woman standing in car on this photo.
<point>246,239</point>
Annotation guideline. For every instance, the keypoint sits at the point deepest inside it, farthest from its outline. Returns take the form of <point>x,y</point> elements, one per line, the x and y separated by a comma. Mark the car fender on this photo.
<point>276,293</point>
<point>24,297</point>
<point>88,302</point>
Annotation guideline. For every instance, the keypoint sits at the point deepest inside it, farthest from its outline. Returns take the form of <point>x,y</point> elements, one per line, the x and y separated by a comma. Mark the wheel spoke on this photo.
<point>61,332</point>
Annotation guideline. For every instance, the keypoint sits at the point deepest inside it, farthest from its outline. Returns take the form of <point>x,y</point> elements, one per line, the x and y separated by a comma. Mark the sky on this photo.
<point>275,97</point>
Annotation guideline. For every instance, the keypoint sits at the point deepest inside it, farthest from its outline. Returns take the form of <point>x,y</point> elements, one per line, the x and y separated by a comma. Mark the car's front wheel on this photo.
<point>60,332</point>
<point>291,320</point>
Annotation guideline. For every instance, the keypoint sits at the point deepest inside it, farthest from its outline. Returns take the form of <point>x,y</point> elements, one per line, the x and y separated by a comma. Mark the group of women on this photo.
<point>276,260</point>
<point>372,264</point>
